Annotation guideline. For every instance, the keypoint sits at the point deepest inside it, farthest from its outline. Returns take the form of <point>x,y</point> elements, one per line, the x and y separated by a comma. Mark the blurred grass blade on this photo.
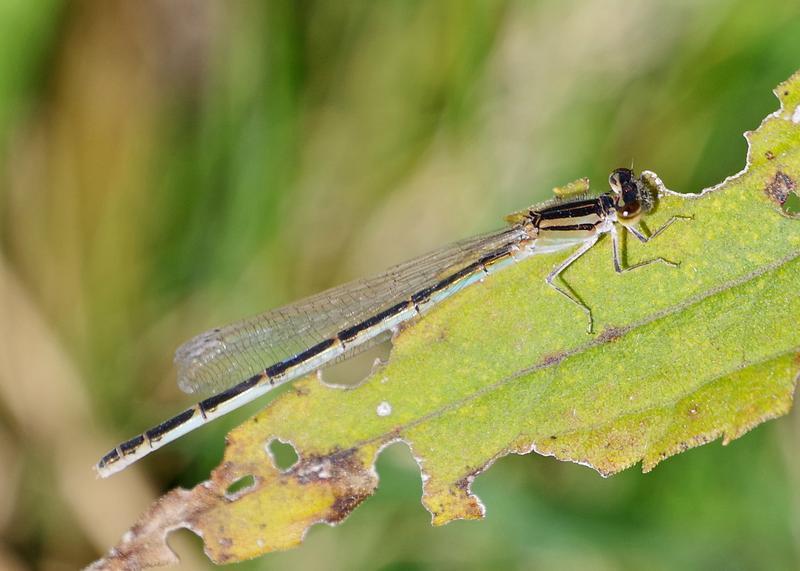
<point>684,356</point>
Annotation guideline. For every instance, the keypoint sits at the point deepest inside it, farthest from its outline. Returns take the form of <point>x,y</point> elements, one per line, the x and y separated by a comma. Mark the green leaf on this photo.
<point>682,356</point>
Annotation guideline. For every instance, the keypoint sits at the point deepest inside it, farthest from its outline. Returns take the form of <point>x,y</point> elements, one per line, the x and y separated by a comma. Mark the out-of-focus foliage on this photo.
<point>173,165</point>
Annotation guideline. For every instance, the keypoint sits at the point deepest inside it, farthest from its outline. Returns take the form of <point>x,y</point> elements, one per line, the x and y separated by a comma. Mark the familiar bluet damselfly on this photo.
<point>247,359</point>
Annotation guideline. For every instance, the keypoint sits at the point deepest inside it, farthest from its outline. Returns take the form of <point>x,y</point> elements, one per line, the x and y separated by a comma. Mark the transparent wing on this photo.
<point>220,358</point>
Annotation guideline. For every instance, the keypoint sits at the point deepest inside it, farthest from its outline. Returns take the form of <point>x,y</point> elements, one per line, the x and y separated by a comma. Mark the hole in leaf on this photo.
<point>283,454</point>
<point>184,543</point>
<point>353,370</point>
<point>241,485</point>
<point>782,190</point>
<point>792,204</point>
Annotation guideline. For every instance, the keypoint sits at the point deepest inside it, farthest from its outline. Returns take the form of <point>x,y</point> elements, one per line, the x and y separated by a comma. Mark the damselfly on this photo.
<point>247,359</point>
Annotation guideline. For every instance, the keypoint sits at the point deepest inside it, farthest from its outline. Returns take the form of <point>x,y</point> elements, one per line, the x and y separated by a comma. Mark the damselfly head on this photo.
<point>632,196</point>
<point>620,178</point>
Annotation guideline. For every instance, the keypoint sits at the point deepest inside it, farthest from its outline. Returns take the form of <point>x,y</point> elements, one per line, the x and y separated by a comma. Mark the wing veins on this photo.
<point>220,358</point>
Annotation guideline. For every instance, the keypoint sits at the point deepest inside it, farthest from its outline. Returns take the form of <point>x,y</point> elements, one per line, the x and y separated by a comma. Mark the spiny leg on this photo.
<point>645,239</point>
<point>616,253</point>
<point>567,292</point>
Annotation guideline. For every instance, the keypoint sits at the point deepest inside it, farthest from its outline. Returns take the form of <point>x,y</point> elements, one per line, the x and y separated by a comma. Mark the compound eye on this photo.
<point>619,178</point>
<point>629,210</point>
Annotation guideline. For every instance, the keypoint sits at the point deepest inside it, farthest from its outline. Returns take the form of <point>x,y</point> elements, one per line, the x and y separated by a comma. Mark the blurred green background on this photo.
<point>172,165</point>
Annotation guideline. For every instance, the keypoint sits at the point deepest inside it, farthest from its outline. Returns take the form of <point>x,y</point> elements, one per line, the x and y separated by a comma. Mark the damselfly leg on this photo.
<point>566,291</point>
<point>645,239</point>
<point>619,267</point>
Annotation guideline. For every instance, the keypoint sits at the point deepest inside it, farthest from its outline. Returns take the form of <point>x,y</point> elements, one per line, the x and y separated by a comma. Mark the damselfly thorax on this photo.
<point>245,360</point>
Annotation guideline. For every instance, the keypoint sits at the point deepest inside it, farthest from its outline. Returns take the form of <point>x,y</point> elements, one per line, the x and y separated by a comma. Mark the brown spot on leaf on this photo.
<point>344,505</point>
<point>468,506</point>
<point>337,465</point>
<point>779,187</point>
<point>463,484</point>
<point>348,478</point>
